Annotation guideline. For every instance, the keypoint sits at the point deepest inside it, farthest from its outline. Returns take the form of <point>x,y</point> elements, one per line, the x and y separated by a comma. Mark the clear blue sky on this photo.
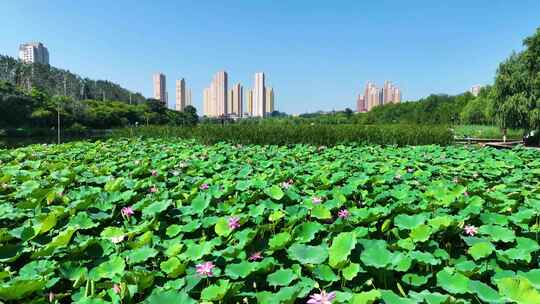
<point>317,54</point>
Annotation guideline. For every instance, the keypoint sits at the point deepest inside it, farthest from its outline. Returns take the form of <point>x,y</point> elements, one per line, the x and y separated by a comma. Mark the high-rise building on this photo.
<point>475,90</point>
<point>181,96</point>
<point>250,102</point>
<point>374,96</point>
<point>206,102</point>
<point>33,52</point>
<point>215,98</point>
<point>189,103</point>
<point>160,88</point>
<point>220,93</point>
<point>361,104</point>
<point>237,100</point>
<point>269,100</point>
<point>259,96</point>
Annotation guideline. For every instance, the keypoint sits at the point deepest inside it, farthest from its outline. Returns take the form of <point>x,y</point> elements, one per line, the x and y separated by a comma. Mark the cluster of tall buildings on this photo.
<point>220,101</point>
<point>374,96</point>
<point>183,94</point>
<point>33,52</point>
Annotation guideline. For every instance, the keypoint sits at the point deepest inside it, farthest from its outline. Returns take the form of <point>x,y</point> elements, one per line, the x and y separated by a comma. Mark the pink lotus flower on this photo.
<point>322,298</point>
<point>153,189</point>
<point>154,173</point>
<point>466,193</point>
<point>255,256</point>
<point>285,185</point>
<point>344,213</point>
<point>316,200</point>
<point>127,211</point>
<point>470,230</point>
<point>234,222</point>
<point>116,288</point>
<point>204,186</point>
<point>205,269</point>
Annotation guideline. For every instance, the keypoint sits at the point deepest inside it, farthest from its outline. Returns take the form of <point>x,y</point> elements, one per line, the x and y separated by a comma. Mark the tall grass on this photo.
<point>488,132</point>
<point>281,134</point>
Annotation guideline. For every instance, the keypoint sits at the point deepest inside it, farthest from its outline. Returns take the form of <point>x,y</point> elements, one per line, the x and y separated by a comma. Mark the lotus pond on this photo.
<point>172,221</point>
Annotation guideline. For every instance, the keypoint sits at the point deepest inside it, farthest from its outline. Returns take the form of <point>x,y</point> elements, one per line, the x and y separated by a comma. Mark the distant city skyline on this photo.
<point>425,47</point>
<point>374,96</point>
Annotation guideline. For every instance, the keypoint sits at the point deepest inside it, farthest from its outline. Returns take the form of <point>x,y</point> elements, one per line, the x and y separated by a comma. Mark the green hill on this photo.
<point>51,80</point>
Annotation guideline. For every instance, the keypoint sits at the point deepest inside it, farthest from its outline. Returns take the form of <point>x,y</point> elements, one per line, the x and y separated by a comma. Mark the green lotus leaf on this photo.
<point>341,248</point>
<point>216,292</point>
<point>321,212</point>
<point>480,250</point>
<point>281,277</point>
<point>240,270</point>
<point>172,267</point>
<point>169,296</point>
<point>274,192</point>
<point>366,297</point>
<point>519,290</point>
<point>306,254</point>
<point>140,255</point>
<point>452,281</point>
<point>279,241</point>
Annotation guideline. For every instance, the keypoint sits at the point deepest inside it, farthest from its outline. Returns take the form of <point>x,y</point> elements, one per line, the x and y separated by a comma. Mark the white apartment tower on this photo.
<point>237,100</point>
<point>269,100</point>
<point>33,52</point>
<point>259,96</point>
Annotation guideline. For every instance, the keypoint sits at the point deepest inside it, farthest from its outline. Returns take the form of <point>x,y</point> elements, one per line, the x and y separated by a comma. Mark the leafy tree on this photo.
<point>516,90</point>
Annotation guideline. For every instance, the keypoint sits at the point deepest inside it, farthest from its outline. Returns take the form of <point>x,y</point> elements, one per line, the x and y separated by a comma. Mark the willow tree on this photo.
<point>517,88</point>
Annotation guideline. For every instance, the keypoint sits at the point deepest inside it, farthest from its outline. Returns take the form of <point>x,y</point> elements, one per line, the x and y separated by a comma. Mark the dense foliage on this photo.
<point>286,134</point>
<point>517,87</point>
<point>51,80</point>
<point>37,109</point>
<point>178,222</point>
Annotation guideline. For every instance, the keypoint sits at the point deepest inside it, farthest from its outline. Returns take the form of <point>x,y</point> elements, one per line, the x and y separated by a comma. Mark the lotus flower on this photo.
<point>322,298</point>
<point>127,211</point>
<point>175,172</point>
<point>154,173</point>
<point>153,189</point>
<point>285,185</point>
<point>255,256</point>
<point>316,200</point>
<point>456,180</point>
<point>205,269</point>
<point>117,239</point>
<point>344,213</point>
<point>116,288</point>
<point>234,222</point>
<point>410,170</point>
<point>204,186</point>
<point>470,230</point>
<point>397,177</point>
<point>466,193</point>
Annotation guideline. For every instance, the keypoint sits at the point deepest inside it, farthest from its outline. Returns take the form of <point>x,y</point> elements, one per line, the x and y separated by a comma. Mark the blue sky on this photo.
<point>317,54</point>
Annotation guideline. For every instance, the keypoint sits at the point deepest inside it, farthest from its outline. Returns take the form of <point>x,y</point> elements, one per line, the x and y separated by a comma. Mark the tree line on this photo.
<point>34,108</point>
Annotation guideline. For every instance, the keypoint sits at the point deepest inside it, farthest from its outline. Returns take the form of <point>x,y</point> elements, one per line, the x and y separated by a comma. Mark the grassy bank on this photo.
<point>329,135</point>
<point>490,132</point>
